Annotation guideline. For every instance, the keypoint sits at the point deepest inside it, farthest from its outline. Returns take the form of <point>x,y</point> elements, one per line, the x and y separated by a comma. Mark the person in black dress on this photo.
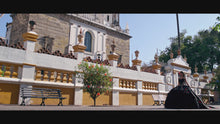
<point>182,96</point>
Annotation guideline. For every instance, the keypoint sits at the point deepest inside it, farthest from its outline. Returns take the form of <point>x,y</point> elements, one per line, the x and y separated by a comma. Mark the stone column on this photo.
<point>139,94</point>
<point>115,93</point>
<point>79,53</point>
<point>78,92</point>
<point>137,62</point>
<point>30,39</point>
<point>175,78</point>
<point>28,70</point>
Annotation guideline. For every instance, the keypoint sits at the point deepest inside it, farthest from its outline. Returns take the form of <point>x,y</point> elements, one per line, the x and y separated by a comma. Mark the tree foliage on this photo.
<point>215,81</point>
<point>96,79</point>
<point>202,50</point>
<point>216,27</point>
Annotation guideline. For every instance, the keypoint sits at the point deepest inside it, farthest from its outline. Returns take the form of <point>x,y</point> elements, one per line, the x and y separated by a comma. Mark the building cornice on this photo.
<point>98,25</point>
<point>178,65</point>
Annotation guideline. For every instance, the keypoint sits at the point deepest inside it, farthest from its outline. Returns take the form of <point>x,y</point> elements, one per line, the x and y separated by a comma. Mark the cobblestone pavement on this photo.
<point>97,108</point>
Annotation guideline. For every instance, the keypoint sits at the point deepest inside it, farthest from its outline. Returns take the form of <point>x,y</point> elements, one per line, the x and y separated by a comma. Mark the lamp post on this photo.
<point>177,19</point>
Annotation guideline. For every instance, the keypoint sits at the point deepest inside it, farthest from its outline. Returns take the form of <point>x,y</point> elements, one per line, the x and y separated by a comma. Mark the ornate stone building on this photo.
<point>59,32</point>
<point>22,67</point>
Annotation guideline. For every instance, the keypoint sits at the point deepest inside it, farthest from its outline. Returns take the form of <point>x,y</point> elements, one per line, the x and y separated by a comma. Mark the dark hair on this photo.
<point>181,81</point>
<point>181,72</point>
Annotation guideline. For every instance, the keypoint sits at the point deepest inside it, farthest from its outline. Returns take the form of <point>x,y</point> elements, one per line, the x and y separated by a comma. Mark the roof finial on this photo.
<point>136,61</point>
<point>136,54</point>
<point>171,54</point>
<point>127,28</point>
<point>196,69</point>
<point>113,46</point>
<point>156,58</point>
<point>185,57</point>
<point>179,52</point>
<point>32,23</point>
<point>80,36</point>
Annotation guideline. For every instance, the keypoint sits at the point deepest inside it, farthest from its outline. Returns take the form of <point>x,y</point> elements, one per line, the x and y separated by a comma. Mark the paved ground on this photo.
<point>97,108</point>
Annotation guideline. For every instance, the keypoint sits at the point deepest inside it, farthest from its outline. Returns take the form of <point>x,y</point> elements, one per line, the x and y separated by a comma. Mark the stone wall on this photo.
<point>53,31</point>
<point>19,26</point>
<point>122,47</point>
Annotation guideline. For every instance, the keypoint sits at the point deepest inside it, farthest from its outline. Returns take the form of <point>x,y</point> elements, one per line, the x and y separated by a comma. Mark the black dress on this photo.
<point>182,97</point>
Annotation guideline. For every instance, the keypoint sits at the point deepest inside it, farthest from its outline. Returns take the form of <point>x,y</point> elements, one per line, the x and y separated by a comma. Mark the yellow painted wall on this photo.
<point>147,99</point>
<point>66,92</point>
<point>127,98</point>
<point>102,99</point>
<point>9,93</point>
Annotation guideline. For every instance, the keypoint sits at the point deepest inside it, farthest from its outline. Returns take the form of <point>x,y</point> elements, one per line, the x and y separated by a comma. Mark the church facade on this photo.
<point>59,32</point>
<point>90,36</point>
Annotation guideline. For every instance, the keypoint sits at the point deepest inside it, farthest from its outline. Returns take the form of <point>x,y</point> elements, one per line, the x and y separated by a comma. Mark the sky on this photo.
<point>151,31</point>
<point>3,21</point>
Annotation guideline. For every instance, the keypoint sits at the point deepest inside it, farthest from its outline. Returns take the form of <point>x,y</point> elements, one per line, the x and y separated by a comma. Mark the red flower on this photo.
<point>88,86</point>
<point>98,94</point>
<point>105,74</point>
<point>110,79</point>
<point>93,66</point>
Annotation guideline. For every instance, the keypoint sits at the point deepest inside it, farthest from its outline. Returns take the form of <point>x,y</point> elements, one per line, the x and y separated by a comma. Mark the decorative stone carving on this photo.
<point>136,61</point>
<point>79,47</point>
<point>113,55</point>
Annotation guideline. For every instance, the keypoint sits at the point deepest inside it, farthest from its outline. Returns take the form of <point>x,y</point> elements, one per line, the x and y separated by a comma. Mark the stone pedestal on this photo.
<point>115,93</point>
<point>28,69</point>
<point>78,95</point>
<point>29,40</point>
<point>113,58</point>
<point>139,94</point>
<point>79,51</point>
<point>79,48</point>
<point>205,77</point>
<point>157,67</point>
<point>137,63</point>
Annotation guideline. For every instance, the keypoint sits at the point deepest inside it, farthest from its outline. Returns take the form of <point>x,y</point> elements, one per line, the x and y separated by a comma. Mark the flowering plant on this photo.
<point>96,79</point>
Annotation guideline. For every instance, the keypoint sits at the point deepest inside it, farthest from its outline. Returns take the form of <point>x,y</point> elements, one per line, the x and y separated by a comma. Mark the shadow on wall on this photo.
<point>46,42</point>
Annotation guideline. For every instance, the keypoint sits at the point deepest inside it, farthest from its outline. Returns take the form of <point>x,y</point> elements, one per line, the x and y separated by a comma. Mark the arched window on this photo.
<point>108,18</point>
<point>88,41</point>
